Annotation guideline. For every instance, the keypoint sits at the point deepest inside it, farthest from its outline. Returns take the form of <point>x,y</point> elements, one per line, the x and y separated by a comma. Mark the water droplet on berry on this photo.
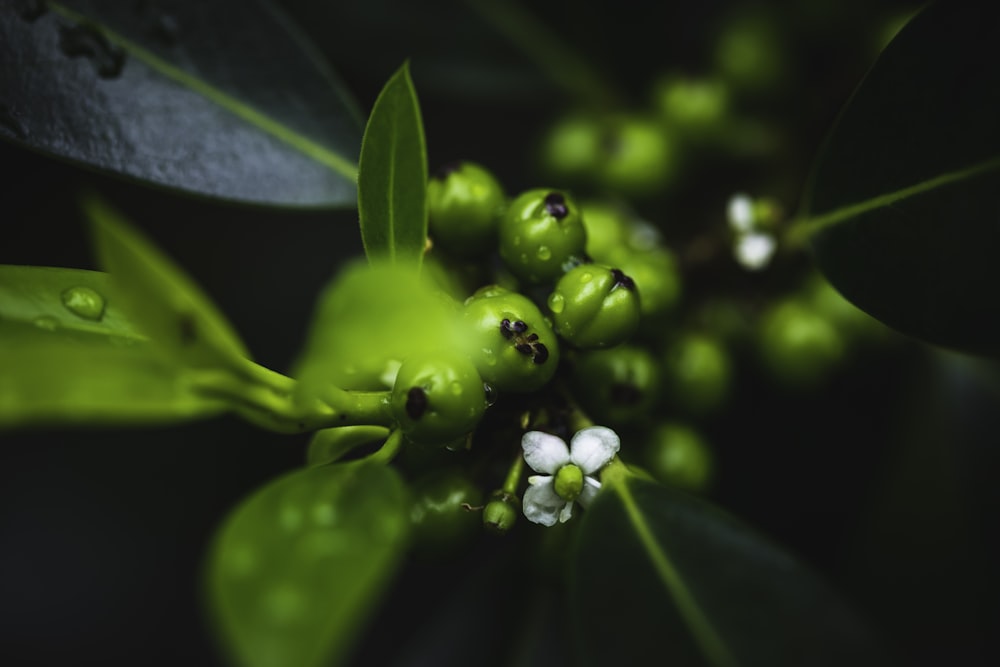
<point>586,277</point>
<point>557,302</point>
<point>490,392</point>
<point>456,388</point>
<point>544,252</point>
<point>46,322</point>
<point>84,302</point>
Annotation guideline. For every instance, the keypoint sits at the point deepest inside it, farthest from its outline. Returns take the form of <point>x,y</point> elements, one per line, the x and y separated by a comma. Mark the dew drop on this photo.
<point>456,388</point>
<point>84,302</point>
<point>490,393</point>
<point>557,302</point>
<point>586,277</point>
<point>544,253</point>
<point>46,322</point>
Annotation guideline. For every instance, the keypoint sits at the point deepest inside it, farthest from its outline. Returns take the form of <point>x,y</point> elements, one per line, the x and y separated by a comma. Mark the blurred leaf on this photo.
<point>392,177</point>
<point>297,566</point>
<point>163,302</point>
<point>699,588</point>
<point>69,302</point>
<point>49,378</point>
<point>368,320</point>
<point>224,98</point>
<point>902,207</point>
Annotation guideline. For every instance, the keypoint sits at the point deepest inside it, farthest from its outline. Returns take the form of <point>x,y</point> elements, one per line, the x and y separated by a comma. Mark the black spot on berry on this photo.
<point>621,280</point>
<point>555,205</point>
<point>416,403</point>
<point>524,348</point>
<point>505,329</point>
<point>519,326</point>
<point>541,353</point>
<point>531,338</point>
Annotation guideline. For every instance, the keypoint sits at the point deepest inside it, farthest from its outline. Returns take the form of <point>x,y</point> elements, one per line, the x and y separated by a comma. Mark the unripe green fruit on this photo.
<point>618,385</point>
<point>693,105</point>
<point>608,228</point>
<point>656,271</point>
<point>541,235</point>
<point>441,514</point>
<point>510,342</point>
<point>697,372</point>
<point>677,455</point>
<point>798,344</point>
<point>437,398</point>
<point>464,205</point>
<point>595,306</point>
<point>572,146</point>
<point>639,156</point>
<point>500,514</point>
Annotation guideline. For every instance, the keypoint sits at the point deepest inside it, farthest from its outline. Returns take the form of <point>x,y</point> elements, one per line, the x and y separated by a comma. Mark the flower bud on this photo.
<point>500,514</point>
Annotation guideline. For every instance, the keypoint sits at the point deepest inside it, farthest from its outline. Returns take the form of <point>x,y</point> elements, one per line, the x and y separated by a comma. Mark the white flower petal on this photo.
<point>590,488</point>
<point>593,447</point>
<point>566,514</point>
<point>544,452</point>
<point>754,250</point>
<point>540,503</point>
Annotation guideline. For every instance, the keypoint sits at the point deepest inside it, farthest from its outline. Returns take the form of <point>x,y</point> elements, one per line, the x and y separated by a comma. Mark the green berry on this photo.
<point>799,345</point>
<point>572,146</point>
<point>657,272</point>
<point>608,226</point>
<point>541,235</point>
<point>595,306</point>
<point>441,514</point>
<point>677,455</point>
<point>437,398</point>
<point>639,156</point>
<point>697,372</point>
<point>500,514</point>
<point>616,385</point>
<point>464,205</point>
<point>510,342</point>
<point>693,105</point>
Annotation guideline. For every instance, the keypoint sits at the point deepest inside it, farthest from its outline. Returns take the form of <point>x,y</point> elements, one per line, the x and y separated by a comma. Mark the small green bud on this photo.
<point>617,385</point>
<point>595,306</point>
<point>511,344</point>
<point>677,455</point>
<point>441,513</point>
<point>697,372</point>
<point>437,398</point>
<point>464,205</point>
<point>568,482</point>
<point>799,345</point>
<point>541,235</point>
<point>572,146</point>
<point>500,514</point>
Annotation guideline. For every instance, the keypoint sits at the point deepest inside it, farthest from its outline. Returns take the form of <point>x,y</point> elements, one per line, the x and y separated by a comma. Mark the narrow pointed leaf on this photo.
<point>902,207</point>
<point>392,178</point>
<point>161,300</point>
<point>699,588</point>
<point>297,566</point>
<point>224,98</point>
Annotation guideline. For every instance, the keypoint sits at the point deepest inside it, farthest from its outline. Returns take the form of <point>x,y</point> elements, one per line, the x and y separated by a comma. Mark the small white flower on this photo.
<point>550,497</point>
<point>740,213</point>
<point>754,250</point>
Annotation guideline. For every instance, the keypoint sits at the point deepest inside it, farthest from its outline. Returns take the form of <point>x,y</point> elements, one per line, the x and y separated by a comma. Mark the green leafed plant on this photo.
<point>477,399</point>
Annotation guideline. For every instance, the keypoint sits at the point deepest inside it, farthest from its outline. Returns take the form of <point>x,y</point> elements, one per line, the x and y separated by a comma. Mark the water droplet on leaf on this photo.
<point>46,322</point>
<point>84,302</point>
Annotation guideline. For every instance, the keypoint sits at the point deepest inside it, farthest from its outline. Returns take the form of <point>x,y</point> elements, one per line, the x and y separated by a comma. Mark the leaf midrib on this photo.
<point>705,634</point>
<point>328,158</point>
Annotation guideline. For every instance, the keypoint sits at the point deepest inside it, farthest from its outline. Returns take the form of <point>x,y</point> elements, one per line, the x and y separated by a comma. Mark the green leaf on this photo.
<point>902,206</point>
<point>368,320</point>
<point>71,302</point>
<point>163,302</point>
<point>297,566</point>
<point>392,178</point>
<point>660,577</point>
<point>48,380</point>
<point>225,98</point>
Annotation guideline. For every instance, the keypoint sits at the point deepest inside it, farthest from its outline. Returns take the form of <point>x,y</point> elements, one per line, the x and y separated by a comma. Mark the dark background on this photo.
<point>882,478</point>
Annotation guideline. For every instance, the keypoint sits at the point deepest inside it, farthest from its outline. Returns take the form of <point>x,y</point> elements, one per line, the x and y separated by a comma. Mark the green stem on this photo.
<point>561,63</point>
<point>387,452</point>
<point>514,476</point>
<point>267,399</point>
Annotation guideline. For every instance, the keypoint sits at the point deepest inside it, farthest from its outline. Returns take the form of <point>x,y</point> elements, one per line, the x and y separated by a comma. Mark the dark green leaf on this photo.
<point>163,302</point>
<point>661,577</point>
<point>392,177</point>
<point>50,378</point>
<point>902,210</point>
<point>298,565</point>
<point>222,98</point>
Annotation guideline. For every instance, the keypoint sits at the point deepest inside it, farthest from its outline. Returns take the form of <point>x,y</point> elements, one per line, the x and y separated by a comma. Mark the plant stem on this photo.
<point>513,476</point>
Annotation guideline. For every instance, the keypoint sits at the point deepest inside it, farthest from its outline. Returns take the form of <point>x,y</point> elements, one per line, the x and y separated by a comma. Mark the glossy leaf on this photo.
<point>51,377</point>
<point>298,565</point>
<point>368,320</point>
<point>68,302</point>
<point>902,206</point>
<point>699,588</point>
<point>392,177</point>
<point>225,98</point>
<point>162,301</point>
